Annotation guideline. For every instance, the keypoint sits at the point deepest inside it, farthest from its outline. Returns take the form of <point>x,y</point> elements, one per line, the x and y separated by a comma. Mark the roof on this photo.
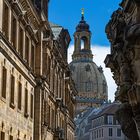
<point>109,109</point>
<point>56,29</point>
<point>83,122</point>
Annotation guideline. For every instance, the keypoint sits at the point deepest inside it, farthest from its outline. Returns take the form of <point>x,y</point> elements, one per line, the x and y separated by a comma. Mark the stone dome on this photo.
<point>89,79</point>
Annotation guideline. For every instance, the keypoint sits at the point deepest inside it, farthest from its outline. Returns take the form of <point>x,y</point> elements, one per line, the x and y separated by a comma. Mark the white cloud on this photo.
<point>100,53</point>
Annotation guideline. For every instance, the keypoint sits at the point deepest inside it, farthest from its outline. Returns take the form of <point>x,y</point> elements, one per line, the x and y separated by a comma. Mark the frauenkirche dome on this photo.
<point>89,79</point>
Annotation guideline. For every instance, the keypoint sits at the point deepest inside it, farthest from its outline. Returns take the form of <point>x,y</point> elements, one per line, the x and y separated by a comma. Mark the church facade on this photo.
<point>123,32</point>
<point>89,79</point>
<point>36,89</point>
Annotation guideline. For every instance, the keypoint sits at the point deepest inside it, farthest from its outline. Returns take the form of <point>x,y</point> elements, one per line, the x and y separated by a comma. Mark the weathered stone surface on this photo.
<point>34,74</point>
<point>123,32</point>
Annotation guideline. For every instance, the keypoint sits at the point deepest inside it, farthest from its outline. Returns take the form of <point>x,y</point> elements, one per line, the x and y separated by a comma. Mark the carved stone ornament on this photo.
<point>124,116</point>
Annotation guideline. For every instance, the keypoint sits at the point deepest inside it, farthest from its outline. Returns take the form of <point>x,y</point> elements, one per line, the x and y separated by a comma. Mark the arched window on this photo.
<point>83,42</point>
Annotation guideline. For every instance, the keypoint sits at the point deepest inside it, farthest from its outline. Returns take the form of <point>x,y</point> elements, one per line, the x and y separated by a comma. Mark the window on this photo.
<point>53,118</point>
<point>95,134</point>
<point>118,132</point>
<point>110,119</point>
<point>27,48</point>
<point>20,41</point>
<point>26,103</point>
<point>19,95</point>
<point>48,67</point>
<point>45,112</point>
<point>32,57</point>
<point>110,132</point>
<point>13,30</point>
<point>5,26</point>
<point>104,86</point>
<point>99,133</point>
<point>2,136</point>
<point>102,132</point>
<point>31,106</point>
<point>88,86</point>
<point>48,115</point>
<point>82,44</point>
<point>12,90</point>
<point>117,123</point>
<point>4,79</point>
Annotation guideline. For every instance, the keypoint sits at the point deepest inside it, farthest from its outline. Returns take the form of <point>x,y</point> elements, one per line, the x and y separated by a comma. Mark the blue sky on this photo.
<point>97,13</point>
<point>67,13</point>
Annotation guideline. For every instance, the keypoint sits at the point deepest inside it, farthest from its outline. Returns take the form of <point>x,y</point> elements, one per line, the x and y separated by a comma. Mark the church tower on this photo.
<point>82,38</point>
<point>89,79</point>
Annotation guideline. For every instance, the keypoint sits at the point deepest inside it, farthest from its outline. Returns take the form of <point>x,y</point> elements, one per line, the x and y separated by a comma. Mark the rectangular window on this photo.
<point>110,132</point>
<point>32,57</point>
<point>88,86</point>
<point>45,112</point>
<point>117,123</point>
<point>48,115</point>
<point>99,133</point>
<point>10,137</point>
<point>5,26</point>
<point>53,116</point>
<point>2,136</point>
<point>19,95</point>
<point>118,132</point>
<point>20,41</point>
<point>95,134</point>
<point>102,132</point>
<point>4,79</point>
<point>26,103</point>
<point>13,30</point>
<point>27,48</point>
<point>110,119</point>
<point>31,106</point>
<point>12,89</point>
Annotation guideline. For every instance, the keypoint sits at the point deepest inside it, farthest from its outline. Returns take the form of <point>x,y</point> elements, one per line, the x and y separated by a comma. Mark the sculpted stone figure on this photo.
<point>123,32</point>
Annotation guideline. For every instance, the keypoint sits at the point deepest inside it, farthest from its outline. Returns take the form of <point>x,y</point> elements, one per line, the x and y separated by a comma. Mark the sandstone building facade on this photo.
<point>36,89</point>
<point>123,32</point>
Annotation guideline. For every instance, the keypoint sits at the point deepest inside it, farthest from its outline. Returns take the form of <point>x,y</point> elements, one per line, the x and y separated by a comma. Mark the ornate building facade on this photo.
<point>88,77</point>
<point>36,89</point>
<point>123,32</point>
<point>99,124</point>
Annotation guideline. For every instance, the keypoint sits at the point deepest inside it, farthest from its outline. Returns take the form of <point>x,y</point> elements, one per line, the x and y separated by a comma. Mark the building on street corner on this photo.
<point>37,93</point>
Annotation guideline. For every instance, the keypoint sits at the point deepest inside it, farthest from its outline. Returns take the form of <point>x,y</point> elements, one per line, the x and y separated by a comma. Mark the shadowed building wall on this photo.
<point>36,89</point>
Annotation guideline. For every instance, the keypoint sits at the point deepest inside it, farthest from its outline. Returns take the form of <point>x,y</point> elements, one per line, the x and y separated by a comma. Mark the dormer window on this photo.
<point>110,119</point>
